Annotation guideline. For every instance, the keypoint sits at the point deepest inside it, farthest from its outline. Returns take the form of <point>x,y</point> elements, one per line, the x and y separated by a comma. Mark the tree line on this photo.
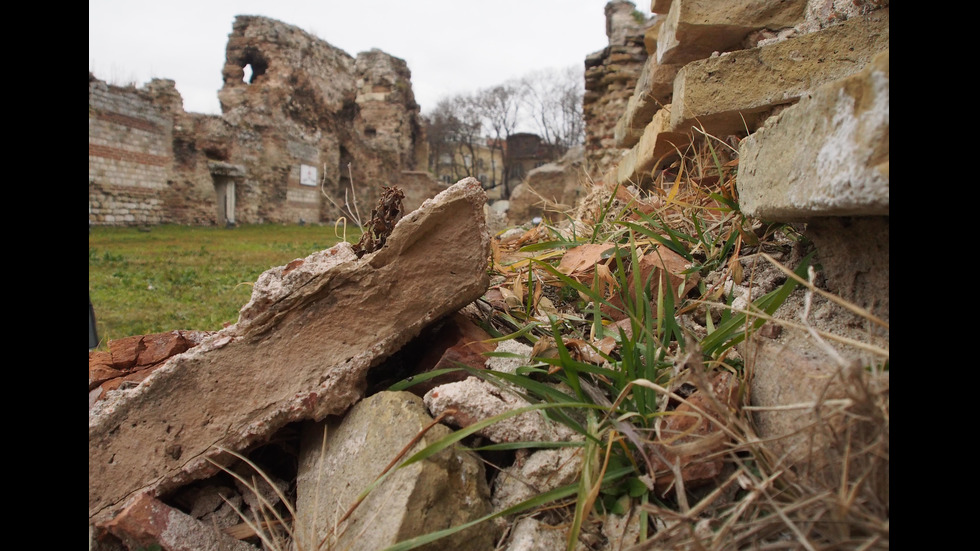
<point>547,102</point>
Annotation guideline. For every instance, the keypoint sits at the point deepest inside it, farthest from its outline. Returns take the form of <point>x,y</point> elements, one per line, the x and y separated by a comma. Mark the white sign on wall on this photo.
<point>307,175</point>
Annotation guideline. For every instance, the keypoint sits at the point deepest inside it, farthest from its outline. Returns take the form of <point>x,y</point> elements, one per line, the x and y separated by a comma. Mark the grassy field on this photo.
<point>181,277</point>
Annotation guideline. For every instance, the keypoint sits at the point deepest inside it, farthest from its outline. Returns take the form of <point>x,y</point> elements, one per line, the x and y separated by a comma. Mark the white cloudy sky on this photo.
<point>451,46</point>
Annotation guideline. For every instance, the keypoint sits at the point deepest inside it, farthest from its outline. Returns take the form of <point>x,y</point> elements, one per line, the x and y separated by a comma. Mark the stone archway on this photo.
<point>225,175</point>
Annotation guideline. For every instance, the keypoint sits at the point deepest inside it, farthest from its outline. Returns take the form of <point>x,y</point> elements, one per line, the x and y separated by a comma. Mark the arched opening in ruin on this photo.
<point>254,64</point>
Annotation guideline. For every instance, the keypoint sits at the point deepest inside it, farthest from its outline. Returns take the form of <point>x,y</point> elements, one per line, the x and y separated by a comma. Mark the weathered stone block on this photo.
<point>735,92</point>
<point>694,29</point>
<point>340,459</point>
<point>825,156</point>
<point>656,144</point>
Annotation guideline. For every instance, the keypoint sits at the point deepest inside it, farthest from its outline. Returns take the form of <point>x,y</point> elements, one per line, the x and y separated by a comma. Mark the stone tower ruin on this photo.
<point>311,129</point>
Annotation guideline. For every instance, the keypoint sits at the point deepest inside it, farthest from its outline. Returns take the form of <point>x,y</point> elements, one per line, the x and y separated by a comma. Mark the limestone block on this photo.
<point>694,29</point>
<point>825,156</point>
<point>548,189</point>
<point>301,350</point>
<point>653,90</point>
<point>447,489</point>
<point>656,144</point>
<point>535,473</point>
<point>728,93</point>
<point>476,400</point>
<point>530,534</point>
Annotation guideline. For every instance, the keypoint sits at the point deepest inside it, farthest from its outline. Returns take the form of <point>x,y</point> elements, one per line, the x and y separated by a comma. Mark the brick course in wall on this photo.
<point>353,119</point>
<point>130,151</point>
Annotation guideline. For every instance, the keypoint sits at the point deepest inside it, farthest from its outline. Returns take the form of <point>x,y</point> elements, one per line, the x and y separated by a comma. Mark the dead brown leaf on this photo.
<point>582,259</point>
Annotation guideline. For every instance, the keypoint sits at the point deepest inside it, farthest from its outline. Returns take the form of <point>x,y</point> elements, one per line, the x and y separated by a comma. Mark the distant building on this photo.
<point>481,160</point>
<point>525,152</point>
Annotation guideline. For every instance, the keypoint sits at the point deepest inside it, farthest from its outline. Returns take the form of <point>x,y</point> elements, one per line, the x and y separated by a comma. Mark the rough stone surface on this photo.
<point>657,147</point>
<point>797,390</point>
<point>795,375</point>
<point>854,253</point>
<point>475,400</point>
<point>445,490</point>
<point>825,156</point>
<point>728,93</point>
<point>147,521</point>
<point>694,29</point>
<point>313,124</point>
<point>535,473</point>
<point>530,534</point>
<point>654,89</point>
<point>301,350</point>
<point>549,189</point>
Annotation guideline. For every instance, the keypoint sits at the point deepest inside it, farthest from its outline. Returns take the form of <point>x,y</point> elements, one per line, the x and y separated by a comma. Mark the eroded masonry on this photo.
<point>309,121</point>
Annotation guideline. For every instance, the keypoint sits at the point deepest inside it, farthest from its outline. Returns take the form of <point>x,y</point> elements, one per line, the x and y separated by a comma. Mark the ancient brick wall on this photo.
<point>610,78</point>
<point>130,156</point>
<point>312,129</point>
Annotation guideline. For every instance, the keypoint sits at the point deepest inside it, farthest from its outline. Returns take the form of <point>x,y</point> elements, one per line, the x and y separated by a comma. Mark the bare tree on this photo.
<point>454,135</point>
<point>499,109</point>
<point>554,98</point>
<point>548,101</point>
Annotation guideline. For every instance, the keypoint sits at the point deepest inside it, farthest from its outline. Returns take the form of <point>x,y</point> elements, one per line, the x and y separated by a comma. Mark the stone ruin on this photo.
<point>812,135</point>
<point>313,129</point>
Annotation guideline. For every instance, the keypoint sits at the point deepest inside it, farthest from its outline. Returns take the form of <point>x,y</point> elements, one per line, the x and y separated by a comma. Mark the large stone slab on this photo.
<point>694,29</point>
<point>825,156</point>
<point>728,93</point>
<point>340,458</point>
<point>301,350</point>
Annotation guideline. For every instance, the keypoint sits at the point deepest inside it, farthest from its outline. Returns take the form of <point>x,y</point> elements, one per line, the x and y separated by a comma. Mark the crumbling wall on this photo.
<point>130,155</point>
<point>610,78</point>
<point>312,126</point>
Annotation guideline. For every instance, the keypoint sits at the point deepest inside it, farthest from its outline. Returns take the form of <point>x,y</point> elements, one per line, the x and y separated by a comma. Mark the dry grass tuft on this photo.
<point>836,499</point>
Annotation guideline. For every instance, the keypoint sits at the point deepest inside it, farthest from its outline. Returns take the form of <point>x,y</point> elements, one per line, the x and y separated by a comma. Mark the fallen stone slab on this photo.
<point>301,349</point>
<point>340,458</point>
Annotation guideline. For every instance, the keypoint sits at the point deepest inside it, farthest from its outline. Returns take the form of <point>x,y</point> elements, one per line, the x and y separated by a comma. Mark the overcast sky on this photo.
<point>451,46</point>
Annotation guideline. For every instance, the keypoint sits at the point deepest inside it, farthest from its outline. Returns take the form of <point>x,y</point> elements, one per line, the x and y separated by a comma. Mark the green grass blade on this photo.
<point>733,331</point>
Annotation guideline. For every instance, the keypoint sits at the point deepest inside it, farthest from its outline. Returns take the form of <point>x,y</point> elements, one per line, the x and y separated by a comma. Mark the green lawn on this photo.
<point>182,277</point>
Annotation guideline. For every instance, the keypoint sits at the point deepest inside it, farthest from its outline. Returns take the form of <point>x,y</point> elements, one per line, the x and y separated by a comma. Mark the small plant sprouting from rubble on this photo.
<point>632,311</point>
<point>383,217</point>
